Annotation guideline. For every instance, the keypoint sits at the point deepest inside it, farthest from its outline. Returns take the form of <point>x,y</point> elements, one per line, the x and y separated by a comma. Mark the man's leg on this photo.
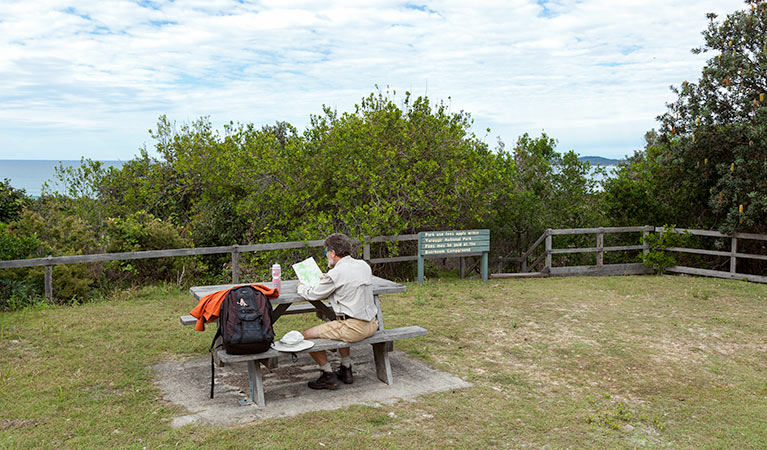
<point>353,331</point>
<point>344,373</point>
<point>327,379</point>
<point>321,358</point>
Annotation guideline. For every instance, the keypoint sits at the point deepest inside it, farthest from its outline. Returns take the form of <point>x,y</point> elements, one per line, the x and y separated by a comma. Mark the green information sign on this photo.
<point>453,243</point>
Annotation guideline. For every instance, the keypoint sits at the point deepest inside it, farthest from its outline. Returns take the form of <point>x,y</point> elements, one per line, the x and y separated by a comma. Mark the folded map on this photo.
<point>308,272</point>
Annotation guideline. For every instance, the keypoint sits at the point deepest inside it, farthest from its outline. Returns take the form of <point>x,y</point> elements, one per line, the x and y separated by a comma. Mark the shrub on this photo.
<point>35,235</point>
<point>15,289</point>
<point>12,201</point>
<point>14,245</point>
<point>143,231</point>
<point>658,258</point>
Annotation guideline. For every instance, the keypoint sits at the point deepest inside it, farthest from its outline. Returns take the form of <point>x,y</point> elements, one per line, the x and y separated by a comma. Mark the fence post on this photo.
<point>235,264</point>
<point>547,268</point>
<point>366,249</point>
<point>420,258</point>
<point>733,258</point>
<point>600,247</point>
<point>645,244</point>
<point>49,281</point>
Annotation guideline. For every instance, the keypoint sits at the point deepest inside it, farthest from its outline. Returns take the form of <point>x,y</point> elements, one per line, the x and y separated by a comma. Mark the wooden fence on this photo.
<point>234,250</point>
<point>545,257</point>
<point>630,268</point>
<point>733,254</point>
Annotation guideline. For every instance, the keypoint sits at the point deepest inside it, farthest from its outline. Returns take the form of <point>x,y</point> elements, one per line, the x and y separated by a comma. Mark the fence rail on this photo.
<point>546,256</point>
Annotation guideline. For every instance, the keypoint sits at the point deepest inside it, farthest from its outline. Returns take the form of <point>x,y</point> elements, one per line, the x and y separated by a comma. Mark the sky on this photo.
<point>90,78</point>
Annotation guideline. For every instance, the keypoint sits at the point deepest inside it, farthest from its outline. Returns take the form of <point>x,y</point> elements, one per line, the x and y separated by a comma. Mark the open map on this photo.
<point>308,272</point>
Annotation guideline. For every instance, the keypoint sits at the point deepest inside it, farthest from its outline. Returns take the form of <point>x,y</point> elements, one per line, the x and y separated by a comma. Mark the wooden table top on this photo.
<point>288,293</point>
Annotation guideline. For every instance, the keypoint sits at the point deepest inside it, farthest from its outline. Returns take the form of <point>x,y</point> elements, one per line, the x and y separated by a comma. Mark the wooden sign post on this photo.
<point>455,243</point>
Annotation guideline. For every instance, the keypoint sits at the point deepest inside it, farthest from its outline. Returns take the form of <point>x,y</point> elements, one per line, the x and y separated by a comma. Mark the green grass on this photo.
<point>580,362</point>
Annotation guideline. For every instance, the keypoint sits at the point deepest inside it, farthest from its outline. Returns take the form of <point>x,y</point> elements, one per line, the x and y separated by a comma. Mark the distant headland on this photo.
<point>599,161</point>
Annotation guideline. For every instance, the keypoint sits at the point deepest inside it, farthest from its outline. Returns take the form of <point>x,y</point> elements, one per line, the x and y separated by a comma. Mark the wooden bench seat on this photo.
<point>380,342</point>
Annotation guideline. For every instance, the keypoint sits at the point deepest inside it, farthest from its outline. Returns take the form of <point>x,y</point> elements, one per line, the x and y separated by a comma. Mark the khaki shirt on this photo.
<point>348,286</point>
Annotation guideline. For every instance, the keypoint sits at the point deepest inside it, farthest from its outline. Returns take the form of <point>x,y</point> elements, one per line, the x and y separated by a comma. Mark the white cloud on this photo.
<point>90,79</point>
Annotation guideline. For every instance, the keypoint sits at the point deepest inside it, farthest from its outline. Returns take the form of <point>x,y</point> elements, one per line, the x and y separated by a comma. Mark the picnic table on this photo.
<point>289,302</point>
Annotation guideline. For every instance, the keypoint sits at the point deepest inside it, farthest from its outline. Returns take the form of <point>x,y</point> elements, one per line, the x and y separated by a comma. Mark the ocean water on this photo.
<point>30,174</point>
<point>610,173</point>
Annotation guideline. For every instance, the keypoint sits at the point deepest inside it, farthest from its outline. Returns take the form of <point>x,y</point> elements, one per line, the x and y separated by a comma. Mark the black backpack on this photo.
<point>244,323</point>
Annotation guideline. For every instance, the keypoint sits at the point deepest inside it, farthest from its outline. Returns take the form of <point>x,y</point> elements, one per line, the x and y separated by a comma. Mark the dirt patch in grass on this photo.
<point>6,424</point>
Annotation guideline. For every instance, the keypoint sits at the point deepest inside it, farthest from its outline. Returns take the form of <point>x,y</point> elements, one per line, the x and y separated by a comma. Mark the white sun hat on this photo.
<point>293,341</point>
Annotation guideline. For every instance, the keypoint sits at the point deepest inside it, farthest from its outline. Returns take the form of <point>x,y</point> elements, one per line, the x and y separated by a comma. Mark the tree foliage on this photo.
<point>538,188</point>
<point>708,164</point>
<point>387,167</point>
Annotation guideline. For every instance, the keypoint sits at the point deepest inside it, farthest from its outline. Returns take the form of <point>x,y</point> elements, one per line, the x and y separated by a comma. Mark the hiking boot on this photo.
<point>327,380</point>
<point>345,374</point>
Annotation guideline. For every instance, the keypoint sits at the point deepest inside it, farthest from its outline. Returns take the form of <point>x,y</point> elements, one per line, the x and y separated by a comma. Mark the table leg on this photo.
<point>323,309</point>
<point>383,366</point>
<point>279,310</point>
<point>256,385</point>
<point>389,345</point>
<point>379,314</point>
<point>217,345</point>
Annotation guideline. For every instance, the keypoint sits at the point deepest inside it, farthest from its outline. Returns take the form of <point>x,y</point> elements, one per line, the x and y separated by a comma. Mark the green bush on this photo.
<point>15,289</point>
<point>12,201</point>
<point>58,234</point>
<point>142,231</point>
<point>15,245</point>
<point>658,258</point>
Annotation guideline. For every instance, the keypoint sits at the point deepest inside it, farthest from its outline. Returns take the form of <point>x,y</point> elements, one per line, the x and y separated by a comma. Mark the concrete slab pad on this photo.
<point>187,383</point>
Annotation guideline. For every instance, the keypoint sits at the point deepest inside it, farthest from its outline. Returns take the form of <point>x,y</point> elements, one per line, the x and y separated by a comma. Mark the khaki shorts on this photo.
<point>349,330</point>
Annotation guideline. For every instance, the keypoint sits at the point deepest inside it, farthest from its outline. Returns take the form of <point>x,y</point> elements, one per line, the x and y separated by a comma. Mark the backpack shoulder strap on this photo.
<point>219,323</point>
<point>212,375</point>
<point>210,350</point>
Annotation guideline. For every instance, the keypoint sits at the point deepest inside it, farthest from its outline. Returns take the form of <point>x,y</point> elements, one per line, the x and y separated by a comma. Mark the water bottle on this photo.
<point>276,275</point>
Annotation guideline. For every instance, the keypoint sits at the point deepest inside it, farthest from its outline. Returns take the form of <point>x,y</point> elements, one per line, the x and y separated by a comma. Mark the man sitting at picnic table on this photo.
<point>348,288</point>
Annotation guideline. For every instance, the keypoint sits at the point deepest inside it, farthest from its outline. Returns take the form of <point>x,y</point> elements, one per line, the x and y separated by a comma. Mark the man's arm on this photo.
<point>320,291</point>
